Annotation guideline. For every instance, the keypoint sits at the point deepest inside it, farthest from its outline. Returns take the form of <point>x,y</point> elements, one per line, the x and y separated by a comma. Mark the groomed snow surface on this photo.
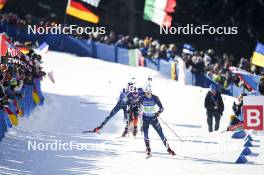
<point>85,91</point>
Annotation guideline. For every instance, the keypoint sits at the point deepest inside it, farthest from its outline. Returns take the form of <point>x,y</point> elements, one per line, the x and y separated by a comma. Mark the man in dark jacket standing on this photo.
<point>214,106</point>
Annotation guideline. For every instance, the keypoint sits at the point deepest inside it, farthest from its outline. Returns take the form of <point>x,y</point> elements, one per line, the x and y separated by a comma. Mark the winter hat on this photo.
<point>213,88</point>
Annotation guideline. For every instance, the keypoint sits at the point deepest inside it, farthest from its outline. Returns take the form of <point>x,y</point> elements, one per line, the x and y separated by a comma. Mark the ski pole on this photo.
<point>170,128</point>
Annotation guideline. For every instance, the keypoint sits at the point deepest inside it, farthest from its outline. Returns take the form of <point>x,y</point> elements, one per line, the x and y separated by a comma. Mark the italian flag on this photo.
<point>135,57</point>
<point>165,5</point>
<point>157,11</point>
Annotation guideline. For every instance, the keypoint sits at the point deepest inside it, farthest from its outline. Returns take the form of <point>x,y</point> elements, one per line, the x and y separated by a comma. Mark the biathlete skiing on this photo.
<point>150,117</point>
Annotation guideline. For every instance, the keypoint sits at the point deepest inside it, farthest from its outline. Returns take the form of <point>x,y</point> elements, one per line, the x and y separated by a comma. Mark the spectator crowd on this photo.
<point>201,62</point>
<point>13,77</point>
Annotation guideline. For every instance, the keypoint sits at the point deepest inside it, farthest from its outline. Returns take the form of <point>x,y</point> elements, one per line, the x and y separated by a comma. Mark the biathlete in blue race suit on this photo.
<point>133,110</point>
<point>121,104</point>
<point>150,117</point>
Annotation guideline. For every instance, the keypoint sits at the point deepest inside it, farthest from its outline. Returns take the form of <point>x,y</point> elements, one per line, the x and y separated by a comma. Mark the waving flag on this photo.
<point>258,55</point>
<point>12,117</point>
<point>250,80</point>
<point>2,3</point>
<point>42,49</point>
<point>35,96</point>
<point>11,55</point>
<point>78,10</point>
<point>157,11</point>
<point>3,45</point>
<point>165,5</point>
<point>24,50</point>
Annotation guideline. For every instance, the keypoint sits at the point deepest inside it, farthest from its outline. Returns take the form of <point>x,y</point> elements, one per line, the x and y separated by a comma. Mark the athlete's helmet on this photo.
<point>147,88</point>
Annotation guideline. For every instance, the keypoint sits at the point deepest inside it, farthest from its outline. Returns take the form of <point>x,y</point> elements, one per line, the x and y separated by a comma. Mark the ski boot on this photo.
<point>148,151</point>
<point>171,152</point>
<point>125,132</point>
<point>97,129</point>
<point>135,131</point>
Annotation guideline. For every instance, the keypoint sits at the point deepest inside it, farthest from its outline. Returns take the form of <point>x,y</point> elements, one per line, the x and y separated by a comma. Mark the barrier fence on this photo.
<point>27,104</point>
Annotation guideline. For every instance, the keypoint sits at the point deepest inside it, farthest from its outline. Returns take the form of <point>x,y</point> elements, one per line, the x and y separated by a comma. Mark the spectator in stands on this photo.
<point>261,86</point>
<point>147,41</point>
<point>237,109</point>
<point>135,42</point>
<point>151,53</point>
<point>162,52</point>
<point>201,62</point>
<point>171,52</point>
<point>245,64</point>
<point>143,48</point>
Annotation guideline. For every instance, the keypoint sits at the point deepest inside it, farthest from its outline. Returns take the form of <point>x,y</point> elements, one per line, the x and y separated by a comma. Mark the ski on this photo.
<point>119,137</point>
<point>172,154</point>
<point>94,103</point>
<point>90,131</point>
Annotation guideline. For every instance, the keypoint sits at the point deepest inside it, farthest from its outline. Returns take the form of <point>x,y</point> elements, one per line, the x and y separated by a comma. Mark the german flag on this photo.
<point>12,117</point>
<point>24,50</point>
<point>78,10</point>
<point>2,3</point>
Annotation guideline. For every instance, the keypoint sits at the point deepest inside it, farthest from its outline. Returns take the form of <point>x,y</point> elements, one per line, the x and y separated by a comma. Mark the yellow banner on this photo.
<point>258,59</point>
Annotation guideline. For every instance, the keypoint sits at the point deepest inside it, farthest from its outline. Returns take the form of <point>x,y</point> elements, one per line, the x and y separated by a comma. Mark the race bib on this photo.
<point>149,110</point>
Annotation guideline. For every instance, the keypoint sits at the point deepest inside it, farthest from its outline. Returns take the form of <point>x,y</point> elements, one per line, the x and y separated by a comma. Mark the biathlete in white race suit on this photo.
<point>148,104</point>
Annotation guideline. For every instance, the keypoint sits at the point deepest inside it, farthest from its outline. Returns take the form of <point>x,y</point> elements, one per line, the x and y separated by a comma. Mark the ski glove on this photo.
<point>157,114</point>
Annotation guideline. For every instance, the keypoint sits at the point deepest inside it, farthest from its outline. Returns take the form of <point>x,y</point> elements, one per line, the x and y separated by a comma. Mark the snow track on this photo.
<point>85,91</point>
